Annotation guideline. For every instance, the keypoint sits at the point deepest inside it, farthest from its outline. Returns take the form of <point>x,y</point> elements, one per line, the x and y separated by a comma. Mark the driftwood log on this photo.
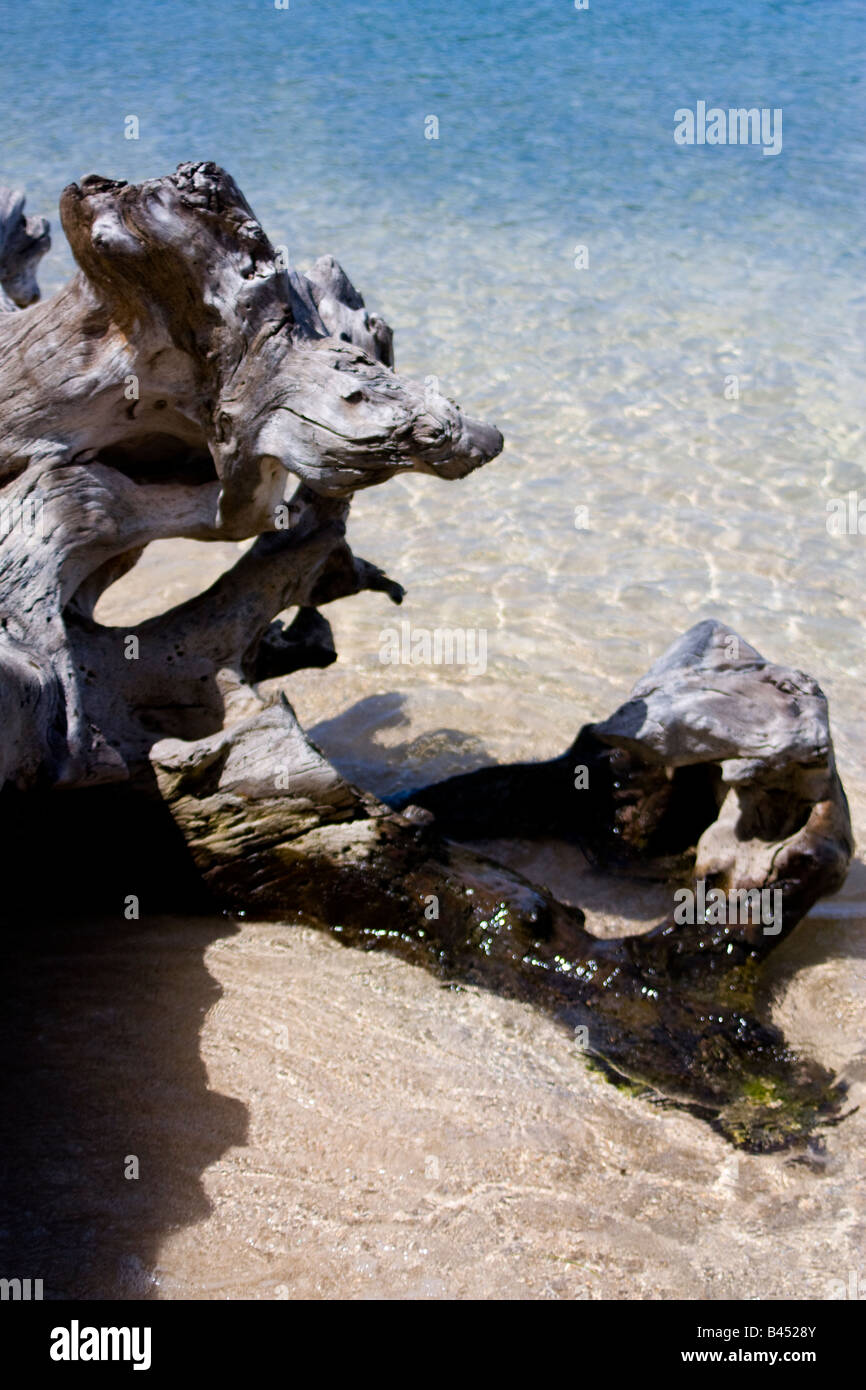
<point>23,243</point>
<point>176,387</point>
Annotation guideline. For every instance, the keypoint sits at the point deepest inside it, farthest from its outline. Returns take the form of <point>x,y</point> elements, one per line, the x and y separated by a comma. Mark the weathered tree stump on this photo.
<point>170,390</point>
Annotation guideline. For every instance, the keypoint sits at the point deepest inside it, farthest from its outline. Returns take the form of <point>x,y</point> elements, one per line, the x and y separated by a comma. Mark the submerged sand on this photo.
<point>309,1120</point>
<point>407,1140</point>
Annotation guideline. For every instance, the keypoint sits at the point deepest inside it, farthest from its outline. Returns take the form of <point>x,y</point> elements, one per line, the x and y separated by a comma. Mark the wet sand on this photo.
<point>314,1121</point>
<point>311,1120</point>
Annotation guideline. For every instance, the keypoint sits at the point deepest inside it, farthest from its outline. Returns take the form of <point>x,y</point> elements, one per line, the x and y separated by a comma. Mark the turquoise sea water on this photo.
<point>555,130</point>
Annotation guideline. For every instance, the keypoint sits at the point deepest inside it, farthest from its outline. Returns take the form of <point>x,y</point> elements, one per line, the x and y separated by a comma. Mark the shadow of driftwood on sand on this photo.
<point>352,742</point>
<point>103,1076</point>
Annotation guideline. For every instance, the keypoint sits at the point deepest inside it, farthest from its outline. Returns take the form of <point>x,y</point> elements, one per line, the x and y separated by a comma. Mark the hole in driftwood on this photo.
<point>169,572</point>
<point>160,458</point>
<point>695,796</point>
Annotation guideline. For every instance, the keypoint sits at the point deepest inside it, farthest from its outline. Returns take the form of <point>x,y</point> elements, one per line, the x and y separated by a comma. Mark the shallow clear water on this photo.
<point>609,382</point>
<point>555,130</point>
